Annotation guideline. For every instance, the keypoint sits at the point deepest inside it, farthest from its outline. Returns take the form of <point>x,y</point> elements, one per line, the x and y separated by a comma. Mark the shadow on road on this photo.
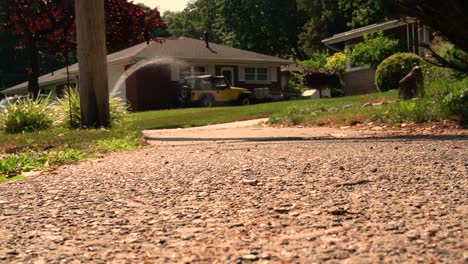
<point>330,138</point>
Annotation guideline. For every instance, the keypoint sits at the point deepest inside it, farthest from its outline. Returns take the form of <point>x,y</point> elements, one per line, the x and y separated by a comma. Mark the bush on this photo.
<point>393,69</point>
<point>456,103</point>
<point>27,115</point>
<point>337,63</point>
<point>373,50</point>
<point>317,61</point>
<point>118,109</point>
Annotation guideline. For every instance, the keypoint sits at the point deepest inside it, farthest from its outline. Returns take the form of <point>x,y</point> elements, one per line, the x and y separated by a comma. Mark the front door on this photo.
<point>228,73</point>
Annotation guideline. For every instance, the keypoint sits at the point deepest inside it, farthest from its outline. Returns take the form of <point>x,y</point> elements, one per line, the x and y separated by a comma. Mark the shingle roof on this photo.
<point>358,32</point>
<point>176,48</point>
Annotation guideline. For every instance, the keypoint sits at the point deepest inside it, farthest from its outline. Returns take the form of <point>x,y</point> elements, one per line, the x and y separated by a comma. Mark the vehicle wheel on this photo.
<point>244,100</point>
<point>207,101</point>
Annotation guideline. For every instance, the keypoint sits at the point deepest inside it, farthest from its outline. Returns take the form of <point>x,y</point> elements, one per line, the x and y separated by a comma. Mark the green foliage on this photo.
<point>119,144</point>
<point>117,107</point>
<point>327,18</point>
<point>295,83</point>
<point>448,56</point>
<point>456,103</point>
<point>14,165</point>
<point>70,98</point>
<point>265,26</point>
<point>373,50</point>
<point>26,115</point>
<point>393,69</point>
<point>337,63</point>
<point>420,111</point>
<point>317,61</point>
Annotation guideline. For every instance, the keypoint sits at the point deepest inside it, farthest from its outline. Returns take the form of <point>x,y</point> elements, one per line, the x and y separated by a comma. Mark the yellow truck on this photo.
<point>208,90</point>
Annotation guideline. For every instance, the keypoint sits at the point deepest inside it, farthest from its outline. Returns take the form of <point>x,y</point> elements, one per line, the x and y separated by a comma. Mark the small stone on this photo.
<point>282,210</point>
<point>250,182</point>
<point>341,255</point>
<point>342,168</point>
<point>374,170</point>
<point>265,256</point>
<point>250,257</point>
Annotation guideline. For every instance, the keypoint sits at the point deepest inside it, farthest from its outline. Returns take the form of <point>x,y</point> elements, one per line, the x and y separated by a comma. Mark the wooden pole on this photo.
<point>93,86</point>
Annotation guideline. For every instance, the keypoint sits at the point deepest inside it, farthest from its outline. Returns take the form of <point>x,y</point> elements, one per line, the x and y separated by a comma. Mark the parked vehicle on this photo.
<point>208,90</point>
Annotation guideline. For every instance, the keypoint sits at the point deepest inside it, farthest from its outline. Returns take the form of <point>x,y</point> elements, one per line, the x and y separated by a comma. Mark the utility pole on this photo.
<point>93,86</point>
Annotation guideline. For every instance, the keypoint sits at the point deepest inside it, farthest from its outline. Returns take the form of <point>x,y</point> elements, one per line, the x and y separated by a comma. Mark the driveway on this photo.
<point>286,196</point>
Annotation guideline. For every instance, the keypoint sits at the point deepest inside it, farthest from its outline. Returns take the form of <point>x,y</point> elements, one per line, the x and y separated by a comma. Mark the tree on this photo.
<point>329,17</point>
<point>38,25</point>
<point>47,27</point>
<point>197,18</point>
<point>265,26</point>
<point>447,17</point>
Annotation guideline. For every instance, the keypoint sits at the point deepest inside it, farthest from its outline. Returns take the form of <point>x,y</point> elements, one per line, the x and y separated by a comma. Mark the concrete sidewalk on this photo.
<point>247,131</point>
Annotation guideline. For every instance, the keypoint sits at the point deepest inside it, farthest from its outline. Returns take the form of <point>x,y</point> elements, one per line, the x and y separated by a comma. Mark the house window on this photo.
<point>185,72</point>
<point>250,74</point>
<point>192,71</point>
<point>199,70</point>
<point>262,74</point>
<point>256,74</point>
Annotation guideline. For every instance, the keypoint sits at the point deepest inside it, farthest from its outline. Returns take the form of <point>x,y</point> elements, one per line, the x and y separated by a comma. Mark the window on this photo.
<point>188,71</point>
<point>262,74</point>
<point>199,70</point>
<point>250,74</point>
<point>256,74</point>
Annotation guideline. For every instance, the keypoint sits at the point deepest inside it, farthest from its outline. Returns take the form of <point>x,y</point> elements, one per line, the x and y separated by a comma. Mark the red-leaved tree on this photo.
<point>48,27</point>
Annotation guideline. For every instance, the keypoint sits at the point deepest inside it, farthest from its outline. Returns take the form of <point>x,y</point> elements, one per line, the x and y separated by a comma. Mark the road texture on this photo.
<point>240,199</point>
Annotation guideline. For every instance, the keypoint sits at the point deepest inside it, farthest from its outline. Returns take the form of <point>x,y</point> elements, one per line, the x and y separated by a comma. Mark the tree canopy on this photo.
<point>47,27</point>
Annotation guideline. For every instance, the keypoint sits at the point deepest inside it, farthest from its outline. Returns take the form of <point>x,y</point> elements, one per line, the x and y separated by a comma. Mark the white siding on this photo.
<point>274,74</point>
<point>175,73</point>
<point>116,80</point>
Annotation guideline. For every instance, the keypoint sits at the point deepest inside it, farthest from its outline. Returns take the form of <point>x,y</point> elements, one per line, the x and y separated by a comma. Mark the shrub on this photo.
<point>70,98</point>
<point>117,107</point>
<point>393,69</point>
<point>27,115</point>
<point>317,61</point>
<point>373,50</point>
<point>337,63</point>
<point>456,103</point>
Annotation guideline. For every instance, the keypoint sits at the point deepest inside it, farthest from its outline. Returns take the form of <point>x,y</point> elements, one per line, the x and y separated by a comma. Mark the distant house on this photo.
<point>147,75</point>
<point>411,33</point>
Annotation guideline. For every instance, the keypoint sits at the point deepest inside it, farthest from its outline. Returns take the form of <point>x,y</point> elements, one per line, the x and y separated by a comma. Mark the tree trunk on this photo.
<point>33,70</point>
<point>93,86</point>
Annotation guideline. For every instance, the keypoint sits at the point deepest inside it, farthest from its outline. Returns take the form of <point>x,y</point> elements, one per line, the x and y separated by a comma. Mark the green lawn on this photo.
<point>180,118</point>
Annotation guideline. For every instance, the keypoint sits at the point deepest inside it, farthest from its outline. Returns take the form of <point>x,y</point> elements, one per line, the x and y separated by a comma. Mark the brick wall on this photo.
<point>360,81</point>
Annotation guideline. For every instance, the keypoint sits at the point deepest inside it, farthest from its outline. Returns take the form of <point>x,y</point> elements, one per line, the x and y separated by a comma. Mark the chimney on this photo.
<point>207,44</point>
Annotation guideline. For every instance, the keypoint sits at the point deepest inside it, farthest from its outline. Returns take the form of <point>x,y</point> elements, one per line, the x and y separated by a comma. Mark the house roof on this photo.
<point>294,67</point>
<point>359,32</point>
<point>184,49</point>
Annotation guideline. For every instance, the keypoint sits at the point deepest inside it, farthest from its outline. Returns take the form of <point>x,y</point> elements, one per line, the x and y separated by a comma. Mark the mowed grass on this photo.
<point>190,117</point>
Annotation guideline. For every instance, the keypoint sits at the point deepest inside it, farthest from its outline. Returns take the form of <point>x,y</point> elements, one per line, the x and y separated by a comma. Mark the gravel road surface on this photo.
<point>323,200</point>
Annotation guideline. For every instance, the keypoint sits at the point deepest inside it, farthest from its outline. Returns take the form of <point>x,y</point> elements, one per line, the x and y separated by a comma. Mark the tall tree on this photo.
<point>47,27</point>
<point>265,26</point>
<point>329,17</point>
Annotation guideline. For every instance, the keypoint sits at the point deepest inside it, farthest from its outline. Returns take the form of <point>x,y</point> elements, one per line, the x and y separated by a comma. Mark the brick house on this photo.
<point>147,75</point>
<point>360,80</point>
